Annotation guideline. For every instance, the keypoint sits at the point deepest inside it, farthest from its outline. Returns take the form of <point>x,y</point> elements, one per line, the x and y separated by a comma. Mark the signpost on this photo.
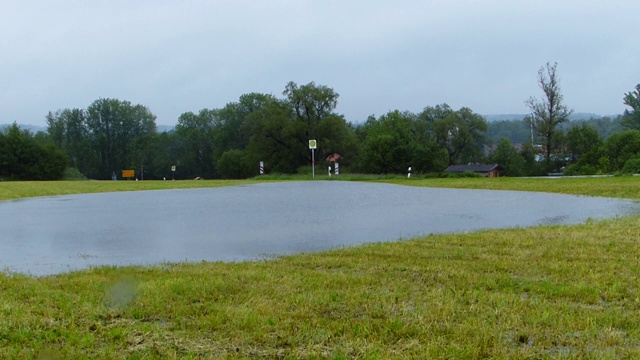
<point>173,172</point>
<point>127,174</point>
<point>313,145</point>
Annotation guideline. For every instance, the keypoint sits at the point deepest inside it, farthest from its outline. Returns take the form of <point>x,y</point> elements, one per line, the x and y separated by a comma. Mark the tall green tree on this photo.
<point>388,147</point>
<point>425,121</point>
<point>550,112</point>
<point>278,139</point>
<point>281,129</point>
<point>67,129</point>
<point>580,140</point>
<point>631,119</point>
<point>119,133</point>
<point>462,134</point>
<point>335,135</point>
<point>196,136</point>
<point>620,148</point>
<point>232,130</point>
<point>397,140</point>
<point>311,103</point>
<point>165,150</point>
<point>232,135</point>
<point>507,156</point>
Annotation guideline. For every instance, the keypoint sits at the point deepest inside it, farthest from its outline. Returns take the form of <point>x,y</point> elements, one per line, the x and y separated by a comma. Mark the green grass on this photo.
<point>556,292</point>
<point>619,187</point>
<point>21,189</point>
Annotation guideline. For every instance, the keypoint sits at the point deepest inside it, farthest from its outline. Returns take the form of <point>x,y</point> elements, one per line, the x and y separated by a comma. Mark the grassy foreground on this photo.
<point>542,292</point>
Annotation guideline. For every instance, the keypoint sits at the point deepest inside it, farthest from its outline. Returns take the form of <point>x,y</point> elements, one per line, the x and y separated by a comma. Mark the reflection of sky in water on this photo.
<point>56,234</point>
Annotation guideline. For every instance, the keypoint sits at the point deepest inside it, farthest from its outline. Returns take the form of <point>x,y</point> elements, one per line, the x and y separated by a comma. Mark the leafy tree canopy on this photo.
<point>631,117</point>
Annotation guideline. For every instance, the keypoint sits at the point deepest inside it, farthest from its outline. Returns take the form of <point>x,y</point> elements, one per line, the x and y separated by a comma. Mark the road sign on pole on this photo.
<point>313,145</point>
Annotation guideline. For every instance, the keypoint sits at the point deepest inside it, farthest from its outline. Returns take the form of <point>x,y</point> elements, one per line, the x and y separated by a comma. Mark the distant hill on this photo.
<point>584,116</point>
<point>503,117</point>
<point>34,129</point>
<point>165,128</point>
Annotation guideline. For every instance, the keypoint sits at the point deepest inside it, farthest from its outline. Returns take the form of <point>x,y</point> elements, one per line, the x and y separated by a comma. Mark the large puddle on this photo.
<point>43,236</point>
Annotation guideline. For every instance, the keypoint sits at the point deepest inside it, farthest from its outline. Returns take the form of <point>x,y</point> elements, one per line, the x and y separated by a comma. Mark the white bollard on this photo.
<point>409,173</point>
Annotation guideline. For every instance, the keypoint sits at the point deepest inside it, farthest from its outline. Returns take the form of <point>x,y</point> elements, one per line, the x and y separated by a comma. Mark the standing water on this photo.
<point>42,236</point>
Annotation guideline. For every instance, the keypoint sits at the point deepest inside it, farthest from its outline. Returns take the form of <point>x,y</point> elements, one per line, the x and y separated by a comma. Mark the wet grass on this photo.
<point>20,189</point>
<point>627,187</point>
<point>618,187</point>
<point>529,293</point>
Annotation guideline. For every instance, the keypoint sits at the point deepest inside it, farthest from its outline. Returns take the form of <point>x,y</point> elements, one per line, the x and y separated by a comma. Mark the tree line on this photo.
<point>112,135</point>
<point>230,142</point>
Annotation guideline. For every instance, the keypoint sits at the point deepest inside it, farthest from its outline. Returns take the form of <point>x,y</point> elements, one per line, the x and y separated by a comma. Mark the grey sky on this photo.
<point>179,56</point>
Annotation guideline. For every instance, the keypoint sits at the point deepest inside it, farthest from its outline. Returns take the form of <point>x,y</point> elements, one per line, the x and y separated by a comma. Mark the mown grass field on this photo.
<point>20,189</point>
<point>619,187</point>
<point>565,292</point>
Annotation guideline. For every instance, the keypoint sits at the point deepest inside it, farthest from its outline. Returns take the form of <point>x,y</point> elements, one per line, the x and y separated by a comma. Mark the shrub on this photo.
<point>235,164</point>
<point>632,166</point>
<point>73,174</point>
<point>575,169</point>
<point>465,174</point>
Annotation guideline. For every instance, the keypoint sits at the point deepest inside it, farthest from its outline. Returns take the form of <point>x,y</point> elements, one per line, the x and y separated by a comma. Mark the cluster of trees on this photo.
<point>428,141</point>
<point>572,140</point>
<point>23,156</point>
<point>111,135</point>
<point>579,148</point>
<point>519,131</point>
<point>618,153</point>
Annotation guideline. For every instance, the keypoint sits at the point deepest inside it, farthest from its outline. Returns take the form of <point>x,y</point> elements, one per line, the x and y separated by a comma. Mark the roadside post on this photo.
<point>173,172</point>
<point>409,173</point>
<point>261,167</point>
<point>313,145</point>
<point>336,169</point>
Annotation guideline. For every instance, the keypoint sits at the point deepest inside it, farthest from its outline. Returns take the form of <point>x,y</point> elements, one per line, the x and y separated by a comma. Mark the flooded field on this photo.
<point>42,236</point>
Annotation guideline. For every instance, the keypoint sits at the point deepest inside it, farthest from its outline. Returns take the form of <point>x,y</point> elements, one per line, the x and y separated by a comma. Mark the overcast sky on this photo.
<point>379,55</point>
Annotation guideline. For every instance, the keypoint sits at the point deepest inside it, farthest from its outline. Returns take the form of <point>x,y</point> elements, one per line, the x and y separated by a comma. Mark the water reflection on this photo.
<point>56,234</point>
